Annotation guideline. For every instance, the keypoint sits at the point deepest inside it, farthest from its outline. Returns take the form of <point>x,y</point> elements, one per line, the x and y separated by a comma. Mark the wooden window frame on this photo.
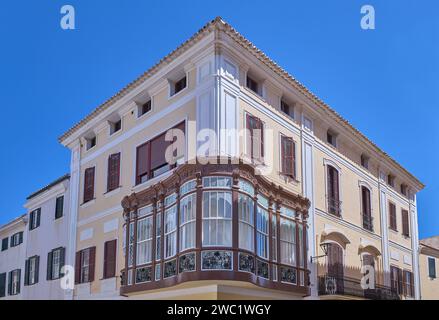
<point>393,222</point>
<point>289,172</point>
<point>89,186</point>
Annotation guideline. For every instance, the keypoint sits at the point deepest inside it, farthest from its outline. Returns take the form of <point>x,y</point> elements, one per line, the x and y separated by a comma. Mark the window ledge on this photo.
<point>112,192</point>
<point>87,204</point>
<point>152,181</point>
<point>178,93</point>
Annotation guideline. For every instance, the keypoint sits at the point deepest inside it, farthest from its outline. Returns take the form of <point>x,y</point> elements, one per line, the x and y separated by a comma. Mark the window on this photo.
<point>144,108</point>
<point>217,218</point>
<point>331,137</point>
<point>404,189</point>
<point>144,241</point>
<point>396,279</point>
<point>246,207</point>
<point>274,237</point>
<point>31,272</point>
<point>5,242</point>
<point>432,267</point>
<point>333,191</point>
<point>178,86</point>
<point>252,85</point>
<point>408,283</point>
<point>262,232</point>
<point>287,241</point>
<point>89,184</point>
<point>188,206</point>
<point>158,241</point>
<point>366,208</point>
<point>34,219</point>
<point>90,142</point>
<point>59,207</point>
<point>85,265</point>
<point>287,109</point>
<point>2,285</point>
<point>255,138</point>
<point>390,180</point>
<point>115,126</point>
<point>110,248</point>
<point>288,156</point>
<point>392,217</point>
<point>16,239</point>
<point>365,161</point>
<point>55,262</point>
<point>151,157</point>
<point>405,223</point>
<point>14,282</point>
<point>170,232</point>
<point>113,175</point>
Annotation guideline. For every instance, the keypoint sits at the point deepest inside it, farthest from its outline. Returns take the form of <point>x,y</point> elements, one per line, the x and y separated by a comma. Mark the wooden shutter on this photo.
<point>158,152</point>
<point>62,259</point>
<point>10,283</point>
<point>59,207</point>
<point>2,284</point>
<point>405,223</point>
<point>412,288</point>
<point>49,265</point>
<point>432,267</point>
<point>18,280</point>
<point>92,264</point>
<point>110,259</point>
<point>287,156</point>
<point>366,201</point>
<point>113,175</point>
<point>142,162</point>
<point>38,217</point>
<point>78,267</point>
<point>31,219</point>
<point>392,216</point>
<point>89,177</point>
<point>37,268</point>
<point>26,272</point>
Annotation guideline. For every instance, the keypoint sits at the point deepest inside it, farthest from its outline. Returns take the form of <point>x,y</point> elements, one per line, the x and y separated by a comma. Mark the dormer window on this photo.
<point>178,85</point>
<point>115,126</point>
<point>253,85</point>
<point>331,138</point>
<point>144,108</point>
<point>90,142</point>
<point>404,189</point>
<point>365,161</point>
<point>287,109</point>
<point>391,180</point>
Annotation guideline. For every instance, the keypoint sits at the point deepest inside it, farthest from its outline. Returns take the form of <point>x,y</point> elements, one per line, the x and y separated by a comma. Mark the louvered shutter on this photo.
<point>26,272</point>
<point>113,171</point>
<point>49,265</point>
<point>78,267</point>
<point>142,166</point>
<point>2,284</point>
<point>62,257</point>
<point>89,177</point>
<point>37,268</point>
<point>20,238</point>
<point>92,263</point>
<point>38,217</point>
<point>31,219</point>
<point>10,283</point>
<point>110,259</point>
<point>405,223</point>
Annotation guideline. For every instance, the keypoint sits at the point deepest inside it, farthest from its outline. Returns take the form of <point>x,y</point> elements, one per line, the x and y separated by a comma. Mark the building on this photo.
<point>269,194</point>
<point>48,244</point>
<point>428,261</point>
<point>12,256</point>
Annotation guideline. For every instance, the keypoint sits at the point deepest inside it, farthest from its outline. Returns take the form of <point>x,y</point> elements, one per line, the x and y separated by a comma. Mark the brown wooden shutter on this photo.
<point>287,155</point>
<point>412,288</point>
<point>26,272</point>
<point>113,175</point>
<point>158,152</point>
<point>37,268</point>
<point>92,264</point>
<point>10,283</point>
<point>142,162</point>
<point>89,177</point>
<point>405,223</point>
<point>110,259</point>
<point>392,216</point>
<point>78,267</point>
<point>49,265</point>
<point>336,185</point>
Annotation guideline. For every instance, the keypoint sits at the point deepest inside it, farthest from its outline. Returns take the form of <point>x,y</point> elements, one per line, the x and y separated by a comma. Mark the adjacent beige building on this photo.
<point>296,202</point>
<point>428,268</point>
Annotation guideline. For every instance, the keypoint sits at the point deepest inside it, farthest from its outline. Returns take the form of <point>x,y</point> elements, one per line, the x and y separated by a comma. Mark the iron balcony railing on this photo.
<point>334,206</point>
<point>329,285</point>
<point>368,222</point>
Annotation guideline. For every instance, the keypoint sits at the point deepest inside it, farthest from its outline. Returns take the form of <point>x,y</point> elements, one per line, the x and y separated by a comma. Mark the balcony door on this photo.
<point>335,266</point>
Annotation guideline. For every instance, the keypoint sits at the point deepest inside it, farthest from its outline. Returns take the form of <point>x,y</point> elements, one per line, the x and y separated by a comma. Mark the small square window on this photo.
<point>252,85</point>
<point>144,108</point>
<point>404,189</point>
<point>115,126</point>
<point>91,142</point>
<point>365,161</point>
<point>331,138</point>
<point>287,109</point>
<point>178,86</point>
<point>391,180</point>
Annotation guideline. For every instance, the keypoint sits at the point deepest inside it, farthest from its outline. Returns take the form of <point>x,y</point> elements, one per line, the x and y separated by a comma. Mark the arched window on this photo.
<point>333,191</point>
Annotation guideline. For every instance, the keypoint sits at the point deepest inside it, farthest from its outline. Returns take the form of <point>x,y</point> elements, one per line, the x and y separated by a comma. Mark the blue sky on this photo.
<point>383,81</point>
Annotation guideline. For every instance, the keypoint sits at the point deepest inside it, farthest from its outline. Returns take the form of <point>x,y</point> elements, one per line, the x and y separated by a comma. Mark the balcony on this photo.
<point>348,287</point>
<point>334,206</point>
<point>368,222</point>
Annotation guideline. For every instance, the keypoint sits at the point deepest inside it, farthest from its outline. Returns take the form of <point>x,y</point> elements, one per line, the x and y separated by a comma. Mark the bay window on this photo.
<point>246,208</point>
<point>158,237</point>
<point>262,232</point>
<point>287,241</point>
<point>187,221</point>
<point>170,232</point>
<point>144,241</point>
<point>217,218</point>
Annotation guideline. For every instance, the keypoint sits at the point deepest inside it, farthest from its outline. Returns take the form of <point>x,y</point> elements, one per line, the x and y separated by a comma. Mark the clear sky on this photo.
<point>384,81</point>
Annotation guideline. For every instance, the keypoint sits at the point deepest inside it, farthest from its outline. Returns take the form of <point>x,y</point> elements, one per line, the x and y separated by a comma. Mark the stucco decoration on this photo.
<point>334,234</point>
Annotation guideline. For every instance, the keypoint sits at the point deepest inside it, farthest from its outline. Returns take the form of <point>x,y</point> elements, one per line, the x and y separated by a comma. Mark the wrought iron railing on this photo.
<point>329,285</point>
<point>368,222</point>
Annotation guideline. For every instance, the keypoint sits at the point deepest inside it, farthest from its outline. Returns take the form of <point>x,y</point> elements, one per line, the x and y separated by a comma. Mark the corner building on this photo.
<point>296,203</point>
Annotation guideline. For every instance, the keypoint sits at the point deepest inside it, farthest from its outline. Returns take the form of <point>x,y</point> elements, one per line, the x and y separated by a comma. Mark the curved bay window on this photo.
<point>215,222</point>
